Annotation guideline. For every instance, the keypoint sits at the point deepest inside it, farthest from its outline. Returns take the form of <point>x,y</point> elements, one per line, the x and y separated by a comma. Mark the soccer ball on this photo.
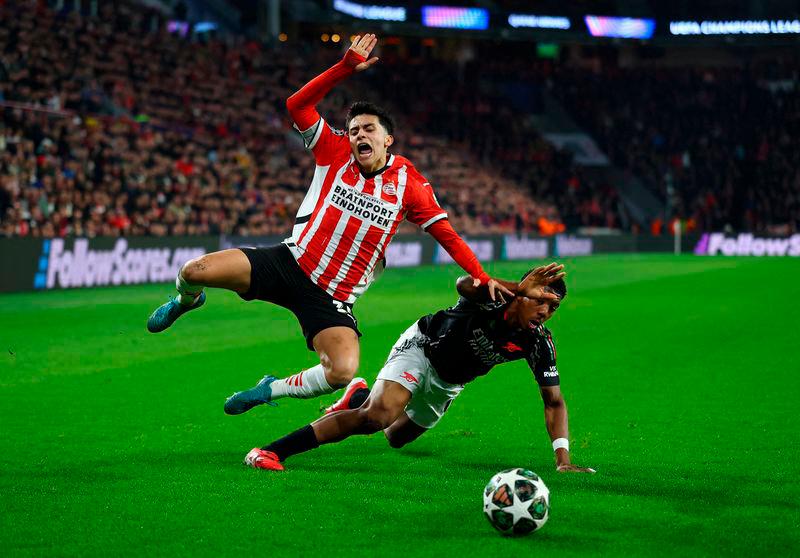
<point>516,502</point>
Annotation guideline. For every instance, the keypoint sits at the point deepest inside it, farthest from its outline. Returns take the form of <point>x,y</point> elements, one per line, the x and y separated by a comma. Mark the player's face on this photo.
<point>526,311</point>
<point>368,142</point>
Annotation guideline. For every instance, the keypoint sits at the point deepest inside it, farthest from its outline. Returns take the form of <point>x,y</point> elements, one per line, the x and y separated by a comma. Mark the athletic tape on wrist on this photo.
<point>560,443</point>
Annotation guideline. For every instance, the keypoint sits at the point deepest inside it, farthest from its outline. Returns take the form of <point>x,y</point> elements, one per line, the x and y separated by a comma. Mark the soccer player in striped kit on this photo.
<point>358,197</point>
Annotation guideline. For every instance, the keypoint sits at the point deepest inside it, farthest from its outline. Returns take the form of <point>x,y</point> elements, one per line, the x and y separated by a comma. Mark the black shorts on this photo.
<point>276,277</point>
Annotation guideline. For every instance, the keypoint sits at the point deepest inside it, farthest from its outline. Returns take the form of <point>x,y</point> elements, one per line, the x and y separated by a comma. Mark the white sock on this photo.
<point>303,385</point>
<point>187,293</point>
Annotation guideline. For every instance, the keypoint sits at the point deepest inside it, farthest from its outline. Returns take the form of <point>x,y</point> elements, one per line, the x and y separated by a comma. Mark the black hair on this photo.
<point>558,286</point>
<point>365,107</point>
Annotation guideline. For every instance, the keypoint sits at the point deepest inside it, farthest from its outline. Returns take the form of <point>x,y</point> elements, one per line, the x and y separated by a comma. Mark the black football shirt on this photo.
<point>466,340</point>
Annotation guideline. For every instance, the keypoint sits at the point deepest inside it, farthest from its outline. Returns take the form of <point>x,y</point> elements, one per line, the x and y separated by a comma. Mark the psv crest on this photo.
<point>389,189</point>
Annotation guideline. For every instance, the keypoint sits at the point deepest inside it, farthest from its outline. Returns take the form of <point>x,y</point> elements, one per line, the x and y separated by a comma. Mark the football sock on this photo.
<point>187,293</point>
<point>303,385</point>
<point>298,441</point>
<point>358,398</point>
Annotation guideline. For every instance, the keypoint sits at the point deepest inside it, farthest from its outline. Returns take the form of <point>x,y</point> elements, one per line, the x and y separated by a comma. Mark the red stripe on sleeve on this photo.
<point>302,105</point>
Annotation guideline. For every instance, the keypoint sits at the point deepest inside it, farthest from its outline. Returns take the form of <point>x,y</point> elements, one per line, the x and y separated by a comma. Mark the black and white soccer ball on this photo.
<point>516,502</point>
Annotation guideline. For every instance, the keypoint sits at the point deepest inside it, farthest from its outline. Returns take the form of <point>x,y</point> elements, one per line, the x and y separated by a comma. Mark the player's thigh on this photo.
<point>403,431</point>
<point>386,402</point>
<point>226,269</point>
<point>428,406</point>
<point>339,352</point>
<point>407,364</point>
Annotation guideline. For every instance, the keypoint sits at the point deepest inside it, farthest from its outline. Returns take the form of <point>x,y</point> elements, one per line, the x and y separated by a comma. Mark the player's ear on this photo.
<point>389,140</point>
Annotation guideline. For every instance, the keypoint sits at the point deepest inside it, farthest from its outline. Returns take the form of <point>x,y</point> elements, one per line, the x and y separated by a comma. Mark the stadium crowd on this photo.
<point>719,144</point>
<point>188,138</point>
<point>112,128</point>
<point>484,105</point>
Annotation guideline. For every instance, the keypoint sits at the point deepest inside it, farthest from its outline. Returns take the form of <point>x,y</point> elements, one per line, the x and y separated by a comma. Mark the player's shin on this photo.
<point>327,430</point>
<point>303,385</point>
<point>298,441</point>
<point>187,292</point>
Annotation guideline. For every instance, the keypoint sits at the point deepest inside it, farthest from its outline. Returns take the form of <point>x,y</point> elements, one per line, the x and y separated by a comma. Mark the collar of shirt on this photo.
<point>356,169</point>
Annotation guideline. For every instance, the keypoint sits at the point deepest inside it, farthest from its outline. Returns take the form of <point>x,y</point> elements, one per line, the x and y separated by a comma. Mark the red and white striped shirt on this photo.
<point>346,221</point>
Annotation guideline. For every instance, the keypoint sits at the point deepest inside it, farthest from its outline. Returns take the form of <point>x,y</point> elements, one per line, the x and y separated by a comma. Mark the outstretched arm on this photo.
<point>445,235</point>
<point>467,288</point>
<point>532,286</point>
<point>302,105</point>
<point>557,422</point>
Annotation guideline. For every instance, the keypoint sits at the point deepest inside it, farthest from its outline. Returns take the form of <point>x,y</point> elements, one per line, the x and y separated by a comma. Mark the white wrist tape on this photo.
<point>560,443</point>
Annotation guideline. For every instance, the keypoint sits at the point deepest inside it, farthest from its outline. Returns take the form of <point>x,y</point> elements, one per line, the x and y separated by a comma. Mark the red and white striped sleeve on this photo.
<point>420,203</point>
<point>324,141</point>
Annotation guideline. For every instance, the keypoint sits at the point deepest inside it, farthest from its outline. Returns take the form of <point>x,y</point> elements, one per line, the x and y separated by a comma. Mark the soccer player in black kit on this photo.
<point>430,363</point>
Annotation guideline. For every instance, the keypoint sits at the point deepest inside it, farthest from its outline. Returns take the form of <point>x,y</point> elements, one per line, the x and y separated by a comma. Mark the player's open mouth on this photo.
<point>364,149</point>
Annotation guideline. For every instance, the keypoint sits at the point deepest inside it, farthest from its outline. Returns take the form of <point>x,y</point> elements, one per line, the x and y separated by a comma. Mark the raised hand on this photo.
<point>533,285</point>
<point>357,55</point>
<point>496,290</point>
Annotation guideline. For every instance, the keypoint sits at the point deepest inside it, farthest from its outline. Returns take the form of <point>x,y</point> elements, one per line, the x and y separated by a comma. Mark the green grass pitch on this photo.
<point>682,378</point>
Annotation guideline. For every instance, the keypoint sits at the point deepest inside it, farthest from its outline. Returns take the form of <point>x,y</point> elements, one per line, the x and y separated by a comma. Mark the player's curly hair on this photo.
<point>365,107</point>
<point>558,286</point>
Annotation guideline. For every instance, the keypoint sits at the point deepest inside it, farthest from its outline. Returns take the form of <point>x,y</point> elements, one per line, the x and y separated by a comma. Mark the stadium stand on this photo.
<point>101,139</point>
<point>719,144</point>
<point>112,128</point>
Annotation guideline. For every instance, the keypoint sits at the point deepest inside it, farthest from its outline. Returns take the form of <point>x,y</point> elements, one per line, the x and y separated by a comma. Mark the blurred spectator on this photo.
<point>109,129</point>
<point>719,145</point>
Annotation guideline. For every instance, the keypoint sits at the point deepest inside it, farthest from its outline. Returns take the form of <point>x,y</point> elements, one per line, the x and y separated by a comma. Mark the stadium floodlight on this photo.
<point>735,27</point>
<point>452,17</point>
<point>383,13</point>
<point>621,27</point>
<point>539,21</point>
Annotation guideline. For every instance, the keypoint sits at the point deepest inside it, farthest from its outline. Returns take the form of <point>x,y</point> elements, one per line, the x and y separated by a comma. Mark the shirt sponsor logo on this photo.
<point>552,373</point>
<point>746,244</point>
<point>363,206</point>
<point>83,267</point>
<point>483,349</point>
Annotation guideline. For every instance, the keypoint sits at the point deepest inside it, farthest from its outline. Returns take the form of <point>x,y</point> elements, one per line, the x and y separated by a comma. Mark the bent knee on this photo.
<point>195,271</point>
<point>340,371</point>
<point>376,418</point>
